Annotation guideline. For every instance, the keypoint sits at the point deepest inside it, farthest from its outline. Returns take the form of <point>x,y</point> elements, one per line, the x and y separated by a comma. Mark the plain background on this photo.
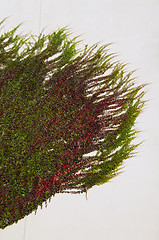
<point>127,208</point>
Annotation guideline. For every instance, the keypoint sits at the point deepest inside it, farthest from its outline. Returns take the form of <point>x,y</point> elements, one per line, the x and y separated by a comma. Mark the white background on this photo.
<point>127,208</point>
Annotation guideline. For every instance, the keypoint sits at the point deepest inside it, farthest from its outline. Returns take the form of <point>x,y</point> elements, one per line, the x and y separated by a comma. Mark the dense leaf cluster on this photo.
<point>57,105</point>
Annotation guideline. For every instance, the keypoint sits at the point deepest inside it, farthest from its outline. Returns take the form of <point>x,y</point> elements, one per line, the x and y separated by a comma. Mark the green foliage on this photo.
<point>58,104</point>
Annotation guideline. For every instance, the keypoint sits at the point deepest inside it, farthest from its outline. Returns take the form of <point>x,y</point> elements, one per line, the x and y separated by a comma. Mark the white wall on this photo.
<point>126,208</point>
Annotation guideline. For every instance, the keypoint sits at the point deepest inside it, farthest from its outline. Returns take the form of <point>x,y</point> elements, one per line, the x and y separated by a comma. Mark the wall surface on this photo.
<point>127,207</point>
